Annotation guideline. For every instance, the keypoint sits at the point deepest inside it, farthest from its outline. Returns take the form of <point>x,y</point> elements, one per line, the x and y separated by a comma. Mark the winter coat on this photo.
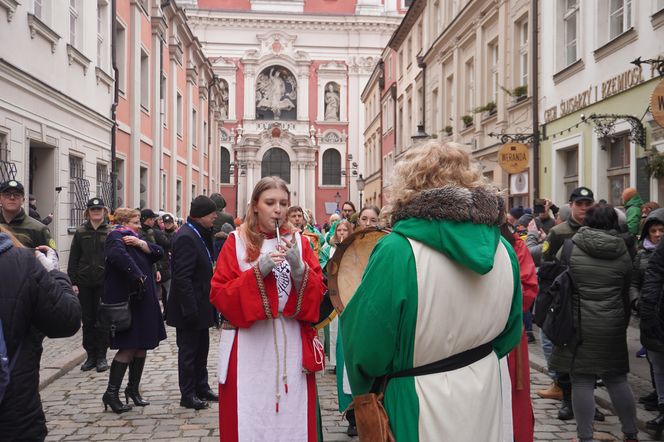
<point>556,238</point>
<point>652,324</point>
<point>29,231</point>
<point>633,214</point>
<point>640,262</point>
<point>126,266</point>
<point>164,265</point>
<point>33,303</point>
<point>86,265</point>
<point>601,268</point>
<point>189,300</point>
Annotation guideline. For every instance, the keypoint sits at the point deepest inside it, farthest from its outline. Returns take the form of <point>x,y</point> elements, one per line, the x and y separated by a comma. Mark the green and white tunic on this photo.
<point>434,288</point>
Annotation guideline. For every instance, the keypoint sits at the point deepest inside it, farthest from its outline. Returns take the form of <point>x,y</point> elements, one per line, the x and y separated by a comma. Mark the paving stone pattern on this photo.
<point>74,410</point>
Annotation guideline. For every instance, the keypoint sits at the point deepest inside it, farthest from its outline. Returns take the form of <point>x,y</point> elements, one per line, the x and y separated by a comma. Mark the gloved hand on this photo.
<point>48,260</point>
<point>265,265</point>
<point>295,262</point>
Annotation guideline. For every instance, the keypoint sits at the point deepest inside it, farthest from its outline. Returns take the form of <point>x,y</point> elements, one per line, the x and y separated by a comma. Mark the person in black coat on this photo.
<point>189,308</point>
<point>36,300</point>
<point>86,270</point>
<point>129,276</point>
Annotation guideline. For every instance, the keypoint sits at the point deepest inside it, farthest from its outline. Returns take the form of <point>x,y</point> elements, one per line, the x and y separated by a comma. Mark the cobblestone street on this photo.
<point>74,410</point>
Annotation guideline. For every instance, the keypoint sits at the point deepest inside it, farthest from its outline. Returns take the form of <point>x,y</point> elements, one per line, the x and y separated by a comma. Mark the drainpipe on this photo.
<point>422,65</point>
<point>114,108</point>
<point>535,97</point>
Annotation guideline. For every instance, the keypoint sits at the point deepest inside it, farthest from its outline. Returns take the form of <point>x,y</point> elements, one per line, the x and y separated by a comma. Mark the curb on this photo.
<point>602,398</point>
<point>48,374</point>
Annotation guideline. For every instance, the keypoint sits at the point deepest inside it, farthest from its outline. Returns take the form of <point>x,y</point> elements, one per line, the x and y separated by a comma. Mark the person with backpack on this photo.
<point>36,300</point>
<point>600,267</point>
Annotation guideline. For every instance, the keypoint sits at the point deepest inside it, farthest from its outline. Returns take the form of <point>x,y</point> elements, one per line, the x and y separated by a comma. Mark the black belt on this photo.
<point>453,362</point>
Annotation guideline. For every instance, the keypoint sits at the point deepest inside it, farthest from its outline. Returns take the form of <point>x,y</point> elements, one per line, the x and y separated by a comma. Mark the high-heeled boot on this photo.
<point>111,397</point>
<point>135,373</point>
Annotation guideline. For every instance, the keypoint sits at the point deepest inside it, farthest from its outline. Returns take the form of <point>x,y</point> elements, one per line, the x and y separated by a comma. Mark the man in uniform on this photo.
<point>152,234</point>
<point>580,200</point>
<point>28,230</point>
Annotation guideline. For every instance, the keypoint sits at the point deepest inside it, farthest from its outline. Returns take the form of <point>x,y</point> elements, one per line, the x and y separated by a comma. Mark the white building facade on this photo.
<point>55,104</point>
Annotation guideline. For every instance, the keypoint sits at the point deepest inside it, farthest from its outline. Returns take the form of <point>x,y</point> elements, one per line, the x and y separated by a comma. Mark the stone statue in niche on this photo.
<point>332,102</point>
<point>276,94</point>
<point>223,108</point>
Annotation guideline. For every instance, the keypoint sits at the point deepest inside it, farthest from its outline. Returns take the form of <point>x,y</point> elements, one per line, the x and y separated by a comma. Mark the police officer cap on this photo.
<point>12,185</point>
<point>96,203</point>
<point>581,194</point>
<point>148,213</point>
<point>167,218</point>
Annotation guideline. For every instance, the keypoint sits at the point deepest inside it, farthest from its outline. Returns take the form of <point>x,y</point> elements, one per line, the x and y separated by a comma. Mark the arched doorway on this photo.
<point>276,163</point>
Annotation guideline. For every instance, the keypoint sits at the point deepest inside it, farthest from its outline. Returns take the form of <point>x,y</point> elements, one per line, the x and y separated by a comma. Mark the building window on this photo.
<point>400,66</point>
<point>4,149</point>
<point>434,112</point>
<point>194,128</point>
<point>523,54</point>
<point>470,87</point>
<point>73,22</point>
<point>435,19</point>
<point>620,17</point>
<point>571,168</point>
<point>164,190</point>
<point>101,33</point>
<point>449,98</point>
<point>420,106</point>
<point>163,85</point>
<point>38,9</point>
<point>178,198</point>
<point>225,165</point>
<point>659,5</point>
<point>120,54</point>
<point>409,54</point>
<point>409,109</point>
<point>179,114</point>
<point>205,138</point>
<point>570,25</point>
<point>618,150</point>
<point>276,163</point>
<point>420,37</point>
<point>400,128</point>
<point>492,64</point>
<point>143,178</point>
<point>119,167</point>
<point>104,183</point>
<point>331,168</point>
<point>145,80</point>
<point>79,191</point>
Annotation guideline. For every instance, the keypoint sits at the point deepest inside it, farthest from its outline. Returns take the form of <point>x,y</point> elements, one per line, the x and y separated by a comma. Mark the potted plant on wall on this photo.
<point>520,93</point>
<point>467,120</point>
<point>655,164</point>
<point>448,130</point>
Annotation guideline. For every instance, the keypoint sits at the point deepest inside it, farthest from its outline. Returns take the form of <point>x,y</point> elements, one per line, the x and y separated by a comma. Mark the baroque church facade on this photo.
<point>291,74</point>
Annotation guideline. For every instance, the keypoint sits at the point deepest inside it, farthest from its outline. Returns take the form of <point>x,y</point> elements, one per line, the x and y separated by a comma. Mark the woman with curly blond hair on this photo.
<point>440,303</point>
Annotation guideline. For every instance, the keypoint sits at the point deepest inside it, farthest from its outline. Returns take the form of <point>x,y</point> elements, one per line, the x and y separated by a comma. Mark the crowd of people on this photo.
<point>437,331</point>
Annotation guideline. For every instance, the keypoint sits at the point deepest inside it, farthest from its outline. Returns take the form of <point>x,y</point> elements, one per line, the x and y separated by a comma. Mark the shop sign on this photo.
<point>513,157</point>
<point>657,104</point>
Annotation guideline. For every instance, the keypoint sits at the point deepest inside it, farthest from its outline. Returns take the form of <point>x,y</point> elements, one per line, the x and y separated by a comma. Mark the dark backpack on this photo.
<point>554,306</point>
<point>6,366</point>
<point>546,275</point>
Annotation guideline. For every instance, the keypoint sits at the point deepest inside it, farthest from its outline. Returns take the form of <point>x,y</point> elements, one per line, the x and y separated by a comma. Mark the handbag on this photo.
<point>371,418</point>
<point>115,317</point>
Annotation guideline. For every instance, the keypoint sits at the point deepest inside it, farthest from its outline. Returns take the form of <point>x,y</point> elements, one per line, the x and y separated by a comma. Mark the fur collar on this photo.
<point>483,205</point>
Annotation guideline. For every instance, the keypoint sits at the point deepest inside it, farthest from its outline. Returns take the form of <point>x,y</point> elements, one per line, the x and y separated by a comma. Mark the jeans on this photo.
<point>547,348</point>
<point>657,360</point>
<point>583,403</point>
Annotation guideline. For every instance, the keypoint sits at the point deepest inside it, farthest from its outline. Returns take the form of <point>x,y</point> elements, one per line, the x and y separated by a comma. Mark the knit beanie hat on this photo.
<point>201,206</point>
<point>516,212</point>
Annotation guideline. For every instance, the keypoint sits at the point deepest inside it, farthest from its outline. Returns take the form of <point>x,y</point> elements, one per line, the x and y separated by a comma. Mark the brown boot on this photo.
<point>552,392</point>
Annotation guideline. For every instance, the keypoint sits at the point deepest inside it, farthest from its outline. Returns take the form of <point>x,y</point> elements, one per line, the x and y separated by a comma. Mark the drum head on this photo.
<point>347,266</point>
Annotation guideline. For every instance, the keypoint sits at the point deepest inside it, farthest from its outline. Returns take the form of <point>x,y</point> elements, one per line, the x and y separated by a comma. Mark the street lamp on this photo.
<point>360,188</point>
<point>337,199</point>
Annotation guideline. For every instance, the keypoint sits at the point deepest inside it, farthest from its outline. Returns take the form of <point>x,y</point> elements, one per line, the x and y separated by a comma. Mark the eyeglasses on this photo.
<point>12,195</point>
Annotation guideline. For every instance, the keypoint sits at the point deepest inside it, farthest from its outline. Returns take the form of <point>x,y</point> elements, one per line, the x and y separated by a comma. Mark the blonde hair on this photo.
<point>7,231</point>
<point>348,224</point>
<point>432,165</point>
<point>248,231</point>
<point>123,215</point>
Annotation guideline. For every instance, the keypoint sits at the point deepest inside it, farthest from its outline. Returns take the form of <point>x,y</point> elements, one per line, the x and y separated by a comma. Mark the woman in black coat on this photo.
<point>129,275</point>
<point>36,300</point>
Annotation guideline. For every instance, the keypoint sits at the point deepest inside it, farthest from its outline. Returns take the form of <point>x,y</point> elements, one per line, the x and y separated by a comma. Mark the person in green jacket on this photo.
<point>443,288</point>
<point>633,203</point>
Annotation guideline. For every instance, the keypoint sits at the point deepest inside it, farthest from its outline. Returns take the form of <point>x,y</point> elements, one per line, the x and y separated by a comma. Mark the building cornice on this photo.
<point>414,11</point>
<point>38,27</point>
<point>76,56</point>
<point>55,97</point>
<point>103,77</point>
<point>295,22</point>
<point>9,6</point>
